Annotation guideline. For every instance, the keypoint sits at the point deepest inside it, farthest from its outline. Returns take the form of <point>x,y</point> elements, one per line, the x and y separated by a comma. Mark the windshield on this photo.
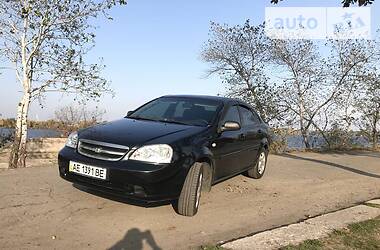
<point>188,111</point>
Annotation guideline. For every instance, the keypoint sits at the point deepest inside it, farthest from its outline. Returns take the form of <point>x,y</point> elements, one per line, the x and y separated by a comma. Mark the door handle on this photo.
<point>259,131</point>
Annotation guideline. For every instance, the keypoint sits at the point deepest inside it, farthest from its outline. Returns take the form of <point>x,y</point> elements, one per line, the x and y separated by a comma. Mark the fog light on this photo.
<point>63,171</point>
<point>139,191</point>
<point>128,188</point>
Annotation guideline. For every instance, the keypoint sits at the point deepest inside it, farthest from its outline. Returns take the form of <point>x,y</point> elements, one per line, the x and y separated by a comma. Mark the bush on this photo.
<point>5,138</point>
<point>340,139</point>
<point>278,142</point>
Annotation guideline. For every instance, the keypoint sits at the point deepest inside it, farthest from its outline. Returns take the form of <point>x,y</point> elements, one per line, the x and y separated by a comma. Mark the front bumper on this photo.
<point>130,179</point>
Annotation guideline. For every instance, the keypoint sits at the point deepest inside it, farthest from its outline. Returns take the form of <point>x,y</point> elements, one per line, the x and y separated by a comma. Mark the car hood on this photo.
<point>130,132</point>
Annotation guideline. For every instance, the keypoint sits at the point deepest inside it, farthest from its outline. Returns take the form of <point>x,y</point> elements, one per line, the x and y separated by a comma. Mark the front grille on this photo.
<point>102,150</point>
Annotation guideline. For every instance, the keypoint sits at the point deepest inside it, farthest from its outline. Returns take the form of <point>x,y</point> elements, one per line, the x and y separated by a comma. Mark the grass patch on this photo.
<point>306,245</point>
<point>372,205</point>
<point>212,248</point>
<point>363,235</point>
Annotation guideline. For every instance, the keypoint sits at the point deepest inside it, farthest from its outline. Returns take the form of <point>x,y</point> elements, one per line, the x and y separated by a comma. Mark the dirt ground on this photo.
<point>40,210</point>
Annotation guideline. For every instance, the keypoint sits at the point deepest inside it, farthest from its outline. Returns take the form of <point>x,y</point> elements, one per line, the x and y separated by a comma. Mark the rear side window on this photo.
<point>232,115</point>
<point>248,117</point>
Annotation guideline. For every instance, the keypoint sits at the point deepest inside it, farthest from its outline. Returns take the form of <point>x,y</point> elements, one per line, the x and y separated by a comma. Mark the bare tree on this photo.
<point>367,104</point>
<point>302,80</point>
<point>313,83</point>
<point>74,117</point>
<point>350,64</point>
<point>239,54</point>
<point>44,42</point>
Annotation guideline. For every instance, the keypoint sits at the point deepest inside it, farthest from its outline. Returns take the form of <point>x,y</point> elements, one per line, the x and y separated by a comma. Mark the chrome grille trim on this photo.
<point>102,150</point>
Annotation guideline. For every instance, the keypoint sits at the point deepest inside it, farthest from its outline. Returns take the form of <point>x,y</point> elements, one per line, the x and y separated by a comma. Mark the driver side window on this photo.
<point>232,115</point>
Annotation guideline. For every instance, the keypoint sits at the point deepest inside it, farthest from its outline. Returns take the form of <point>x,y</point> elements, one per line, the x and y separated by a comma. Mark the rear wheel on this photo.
<point>188,202</point>
<point>259,167</point>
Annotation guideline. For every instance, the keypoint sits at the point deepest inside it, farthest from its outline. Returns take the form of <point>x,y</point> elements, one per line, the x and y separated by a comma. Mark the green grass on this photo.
<point>306,245</point>
<point>212,248</point>
<point>372,205</point>
<point>363,235</point>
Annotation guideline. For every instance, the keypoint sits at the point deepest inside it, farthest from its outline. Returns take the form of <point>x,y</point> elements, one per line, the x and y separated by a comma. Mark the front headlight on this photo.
<point>72,140</point>
<point>160,153</point>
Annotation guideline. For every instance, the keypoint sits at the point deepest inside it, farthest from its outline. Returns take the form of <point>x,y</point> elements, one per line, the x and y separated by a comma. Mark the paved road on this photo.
<point>40,210</point>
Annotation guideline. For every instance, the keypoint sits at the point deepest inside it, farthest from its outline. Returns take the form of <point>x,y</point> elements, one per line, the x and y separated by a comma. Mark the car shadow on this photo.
<point>121,199</point>
<point>134,239</point>
<point>332,164</point>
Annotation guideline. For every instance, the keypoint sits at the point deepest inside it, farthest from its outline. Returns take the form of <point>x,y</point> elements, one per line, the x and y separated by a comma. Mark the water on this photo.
<point>296,141</point>
<point>34,133</point>
<point>293,141</point>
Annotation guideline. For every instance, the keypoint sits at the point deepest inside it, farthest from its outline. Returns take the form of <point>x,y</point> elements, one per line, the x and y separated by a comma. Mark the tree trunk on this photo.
<point>302,119</point>
<point>18,152</point>
<point>304,132</point>
<point>305,138</point>
<point>375,135</point>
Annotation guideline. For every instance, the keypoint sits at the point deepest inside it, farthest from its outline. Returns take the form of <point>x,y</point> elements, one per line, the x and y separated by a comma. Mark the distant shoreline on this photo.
<point>34,132</point>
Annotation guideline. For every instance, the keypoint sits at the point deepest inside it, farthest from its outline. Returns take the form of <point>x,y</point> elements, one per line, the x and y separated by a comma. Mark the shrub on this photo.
<point>6,137</point>
<point>279,142</point>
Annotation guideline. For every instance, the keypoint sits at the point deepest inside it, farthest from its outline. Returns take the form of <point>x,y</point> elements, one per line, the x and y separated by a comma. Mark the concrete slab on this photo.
<point>376,202</point>
<point>313,228</point>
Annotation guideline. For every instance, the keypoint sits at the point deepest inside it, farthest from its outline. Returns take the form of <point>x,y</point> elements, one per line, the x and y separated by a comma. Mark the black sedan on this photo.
<point>169,149</point>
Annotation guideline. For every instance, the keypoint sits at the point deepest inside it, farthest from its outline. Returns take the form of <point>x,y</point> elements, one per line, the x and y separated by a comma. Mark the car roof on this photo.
<point>208,97</point>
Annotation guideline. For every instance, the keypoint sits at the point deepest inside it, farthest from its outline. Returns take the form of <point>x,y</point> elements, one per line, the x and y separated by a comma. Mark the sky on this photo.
<point>152,48</point>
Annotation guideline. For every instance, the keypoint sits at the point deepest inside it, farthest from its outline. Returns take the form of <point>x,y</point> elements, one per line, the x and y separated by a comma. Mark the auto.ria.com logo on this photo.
<point>318,23</point>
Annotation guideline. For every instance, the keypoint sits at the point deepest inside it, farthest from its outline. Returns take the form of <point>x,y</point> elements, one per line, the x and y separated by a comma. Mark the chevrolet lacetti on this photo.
<point>169,149</point>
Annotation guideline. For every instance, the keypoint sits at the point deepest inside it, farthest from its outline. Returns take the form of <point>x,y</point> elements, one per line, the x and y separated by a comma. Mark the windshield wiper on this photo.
<point>141,118</point>
<point>174,121</point>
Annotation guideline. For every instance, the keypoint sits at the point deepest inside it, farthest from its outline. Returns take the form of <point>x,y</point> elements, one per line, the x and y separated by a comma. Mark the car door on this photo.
<point>252,135</point>
<point>227,147</point>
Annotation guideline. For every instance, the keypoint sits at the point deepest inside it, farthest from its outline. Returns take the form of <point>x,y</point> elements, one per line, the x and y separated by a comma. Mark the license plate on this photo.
<point>86,170</point>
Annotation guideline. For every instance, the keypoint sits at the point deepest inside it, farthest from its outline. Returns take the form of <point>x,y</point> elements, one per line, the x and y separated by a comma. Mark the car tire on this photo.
<point>189,199</point>
<point>259,167</point>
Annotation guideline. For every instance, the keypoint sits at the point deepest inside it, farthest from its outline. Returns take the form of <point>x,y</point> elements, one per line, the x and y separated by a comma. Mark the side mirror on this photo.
<point>230,126</point>
<point>129,113</point>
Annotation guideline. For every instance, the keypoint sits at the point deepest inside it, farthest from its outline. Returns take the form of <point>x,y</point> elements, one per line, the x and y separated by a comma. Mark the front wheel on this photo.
<point>188,202</point>
<point>259,166</point>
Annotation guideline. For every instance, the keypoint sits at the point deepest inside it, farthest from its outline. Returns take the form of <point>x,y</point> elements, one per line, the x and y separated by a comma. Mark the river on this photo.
<point>33,133</point>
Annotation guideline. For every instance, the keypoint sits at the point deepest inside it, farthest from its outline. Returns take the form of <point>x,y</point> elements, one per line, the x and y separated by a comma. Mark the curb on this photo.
<point>314,228</point>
